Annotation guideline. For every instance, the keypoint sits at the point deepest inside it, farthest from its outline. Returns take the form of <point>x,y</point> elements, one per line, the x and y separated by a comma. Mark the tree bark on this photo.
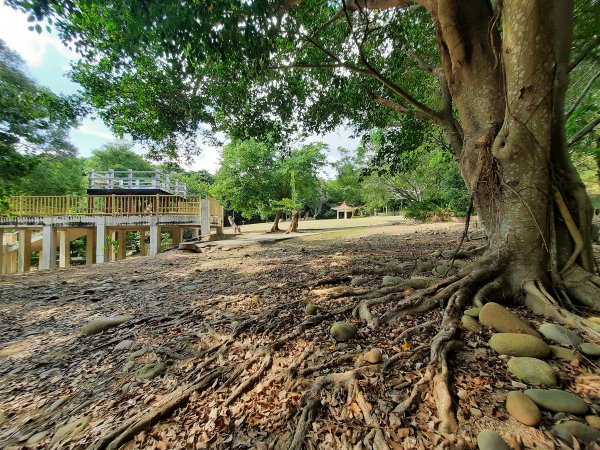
<point>294,222</point>
<point>275,226</point>
<point>509,96</point>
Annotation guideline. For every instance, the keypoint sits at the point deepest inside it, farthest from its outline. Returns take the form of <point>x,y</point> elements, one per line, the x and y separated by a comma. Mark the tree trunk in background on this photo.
<point>294,222</point>
<point>510,100</point>
<point>275,226</point>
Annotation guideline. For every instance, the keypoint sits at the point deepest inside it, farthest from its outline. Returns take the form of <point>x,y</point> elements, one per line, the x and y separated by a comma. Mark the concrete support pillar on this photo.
<point>64,249</point>
<point>24,257</point>
<point>2,264</point>
<point>121,252</point>
<point>89,246</point>
<point>101,250</point>
<point>143,246</point>
<point>345,214</point>
<point>154,239</point>
<point>195,233</point>
<point>204,217</point>
<point>48,256</point>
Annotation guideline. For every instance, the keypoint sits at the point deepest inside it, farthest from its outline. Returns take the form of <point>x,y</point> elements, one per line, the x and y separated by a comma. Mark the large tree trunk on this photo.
<point>275,226</point>
<point>510,99</point>
<point>294,222</point>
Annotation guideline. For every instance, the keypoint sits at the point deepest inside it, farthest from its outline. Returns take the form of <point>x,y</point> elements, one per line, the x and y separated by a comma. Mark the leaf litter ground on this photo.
<point>230,323</point>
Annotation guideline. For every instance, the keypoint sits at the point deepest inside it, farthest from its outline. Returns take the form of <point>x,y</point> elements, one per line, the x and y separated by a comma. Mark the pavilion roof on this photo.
<point>344,207</point>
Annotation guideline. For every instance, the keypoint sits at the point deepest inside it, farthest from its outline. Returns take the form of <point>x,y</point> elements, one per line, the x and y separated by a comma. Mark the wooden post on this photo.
<point>64,249</point>
<point>1,251</point>
<point>89,246</point>
<point>143,246</point>
<point>177,235</point>
<point>111,176</point>
<point>24,257</point>
<point>101,249</point>
<point>48,257</point>
<point>91,179</point>
<point>121,252</point>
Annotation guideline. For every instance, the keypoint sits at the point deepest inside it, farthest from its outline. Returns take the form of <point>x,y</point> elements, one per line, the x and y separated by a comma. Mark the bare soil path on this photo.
<point>218,351</point>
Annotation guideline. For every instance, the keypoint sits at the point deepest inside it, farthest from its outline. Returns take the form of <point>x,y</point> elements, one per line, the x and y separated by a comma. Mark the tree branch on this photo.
<point>423,110</point>
<point>584,92</point>
<point>319,66</point>
<point>353,5</point>
<point>584,131</point>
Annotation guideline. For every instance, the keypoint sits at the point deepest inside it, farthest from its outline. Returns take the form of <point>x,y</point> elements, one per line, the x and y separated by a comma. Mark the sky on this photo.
<point>48,60</point>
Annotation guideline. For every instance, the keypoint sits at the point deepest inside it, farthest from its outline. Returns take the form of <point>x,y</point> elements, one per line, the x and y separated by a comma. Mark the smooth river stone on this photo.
<point>533,371</point>
<point>343,331</point>
<point>490,440</point>
<point>569,429</point>
<point>560,334</point>
<point>590,349</point>
<point>523,409</point>
<point>563,353</point>
<point>516,344</point>
<point>501,319</point>
<point>558,400</point>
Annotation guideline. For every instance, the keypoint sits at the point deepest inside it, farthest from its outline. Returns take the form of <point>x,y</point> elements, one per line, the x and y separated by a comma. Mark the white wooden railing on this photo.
<point>135,180</point>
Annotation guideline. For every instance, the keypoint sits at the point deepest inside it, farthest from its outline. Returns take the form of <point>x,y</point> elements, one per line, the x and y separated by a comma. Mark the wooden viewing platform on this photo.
<point>140,181</point>
<point>48,223</point>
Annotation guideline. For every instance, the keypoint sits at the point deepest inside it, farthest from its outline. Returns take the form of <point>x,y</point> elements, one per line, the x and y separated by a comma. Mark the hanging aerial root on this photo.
<point>572,227</point>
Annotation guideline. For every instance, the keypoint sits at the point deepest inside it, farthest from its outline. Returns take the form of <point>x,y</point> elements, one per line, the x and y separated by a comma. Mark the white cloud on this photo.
<point>96,130</point>
<point>207,160</point>
<point>30,45</point>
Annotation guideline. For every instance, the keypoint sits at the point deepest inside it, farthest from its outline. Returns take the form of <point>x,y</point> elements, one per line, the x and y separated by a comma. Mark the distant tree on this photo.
<point>62,175</point>
<point>34,124</point>
<point>117,156</point>
<point>255,178</point>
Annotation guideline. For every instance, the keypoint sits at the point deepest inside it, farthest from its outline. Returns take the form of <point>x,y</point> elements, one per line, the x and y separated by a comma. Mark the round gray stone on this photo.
<point>343,331</point>
<point>490,440</point>
<point>358,281</point>
<point>390,280</point>
<point>560,334</point>
<point>572,429</point>
<point>516,344</point>
<point>557,400</point>
<point>533,371</point>
<point>311,309</point>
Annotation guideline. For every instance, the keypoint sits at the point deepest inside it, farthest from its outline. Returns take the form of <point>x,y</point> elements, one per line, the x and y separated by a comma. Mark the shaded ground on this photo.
<point>230,323</point>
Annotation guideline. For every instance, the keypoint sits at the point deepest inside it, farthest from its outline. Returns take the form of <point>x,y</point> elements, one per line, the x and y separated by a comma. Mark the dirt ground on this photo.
<point>234,359</point>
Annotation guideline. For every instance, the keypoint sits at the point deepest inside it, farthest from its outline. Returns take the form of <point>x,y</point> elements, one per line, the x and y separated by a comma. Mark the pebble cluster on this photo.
<point>528,350</point>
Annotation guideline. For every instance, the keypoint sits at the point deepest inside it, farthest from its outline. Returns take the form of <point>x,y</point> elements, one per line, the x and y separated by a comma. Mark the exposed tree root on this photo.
<point>542,304</point>
<point>125,432</point>
<point>419,327</point>
<point>250,382</point>
<point>312,402</point>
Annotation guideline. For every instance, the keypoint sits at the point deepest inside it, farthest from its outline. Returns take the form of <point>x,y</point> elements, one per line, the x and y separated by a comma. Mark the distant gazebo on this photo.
<point>345,208</point>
